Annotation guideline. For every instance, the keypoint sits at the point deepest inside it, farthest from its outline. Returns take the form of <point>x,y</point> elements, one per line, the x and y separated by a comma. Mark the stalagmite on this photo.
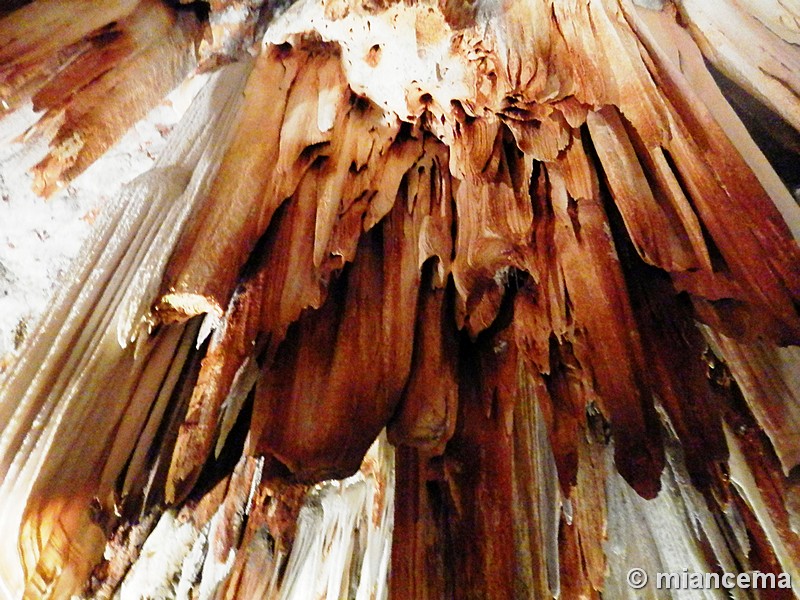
<point>420,299</point>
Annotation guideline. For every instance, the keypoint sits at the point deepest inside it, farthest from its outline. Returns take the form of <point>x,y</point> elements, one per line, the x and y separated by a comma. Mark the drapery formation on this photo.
<point>531,240</point>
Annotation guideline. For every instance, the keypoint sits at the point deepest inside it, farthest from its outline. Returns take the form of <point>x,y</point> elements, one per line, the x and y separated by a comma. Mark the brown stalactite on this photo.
<point>526,239</point>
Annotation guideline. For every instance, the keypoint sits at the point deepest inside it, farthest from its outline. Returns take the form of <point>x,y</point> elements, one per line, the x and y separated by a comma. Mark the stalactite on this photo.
<point>429,300</point>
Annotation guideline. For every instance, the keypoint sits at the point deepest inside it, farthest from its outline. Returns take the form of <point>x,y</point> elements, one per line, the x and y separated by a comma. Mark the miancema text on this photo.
<point>713,581</point>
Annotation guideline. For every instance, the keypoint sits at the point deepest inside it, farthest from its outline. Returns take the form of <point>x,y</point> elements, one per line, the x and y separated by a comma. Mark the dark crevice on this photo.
<point>199,9</point>
<point>776,138</point>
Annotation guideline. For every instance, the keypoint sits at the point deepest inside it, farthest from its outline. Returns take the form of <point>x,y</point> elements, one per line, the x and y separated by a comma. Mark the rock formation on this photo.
<point>429,299</point>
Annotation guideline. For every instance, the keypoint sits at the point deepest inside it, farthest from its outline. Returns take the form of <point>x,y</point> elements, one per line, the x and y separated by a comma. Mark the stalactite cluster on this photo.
<point>530,240</point>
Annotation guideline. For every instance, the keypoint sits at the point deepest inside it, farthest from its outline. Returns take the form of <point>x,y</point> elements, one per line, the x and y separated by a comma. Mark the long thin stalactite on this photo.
<point>511,280</point>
